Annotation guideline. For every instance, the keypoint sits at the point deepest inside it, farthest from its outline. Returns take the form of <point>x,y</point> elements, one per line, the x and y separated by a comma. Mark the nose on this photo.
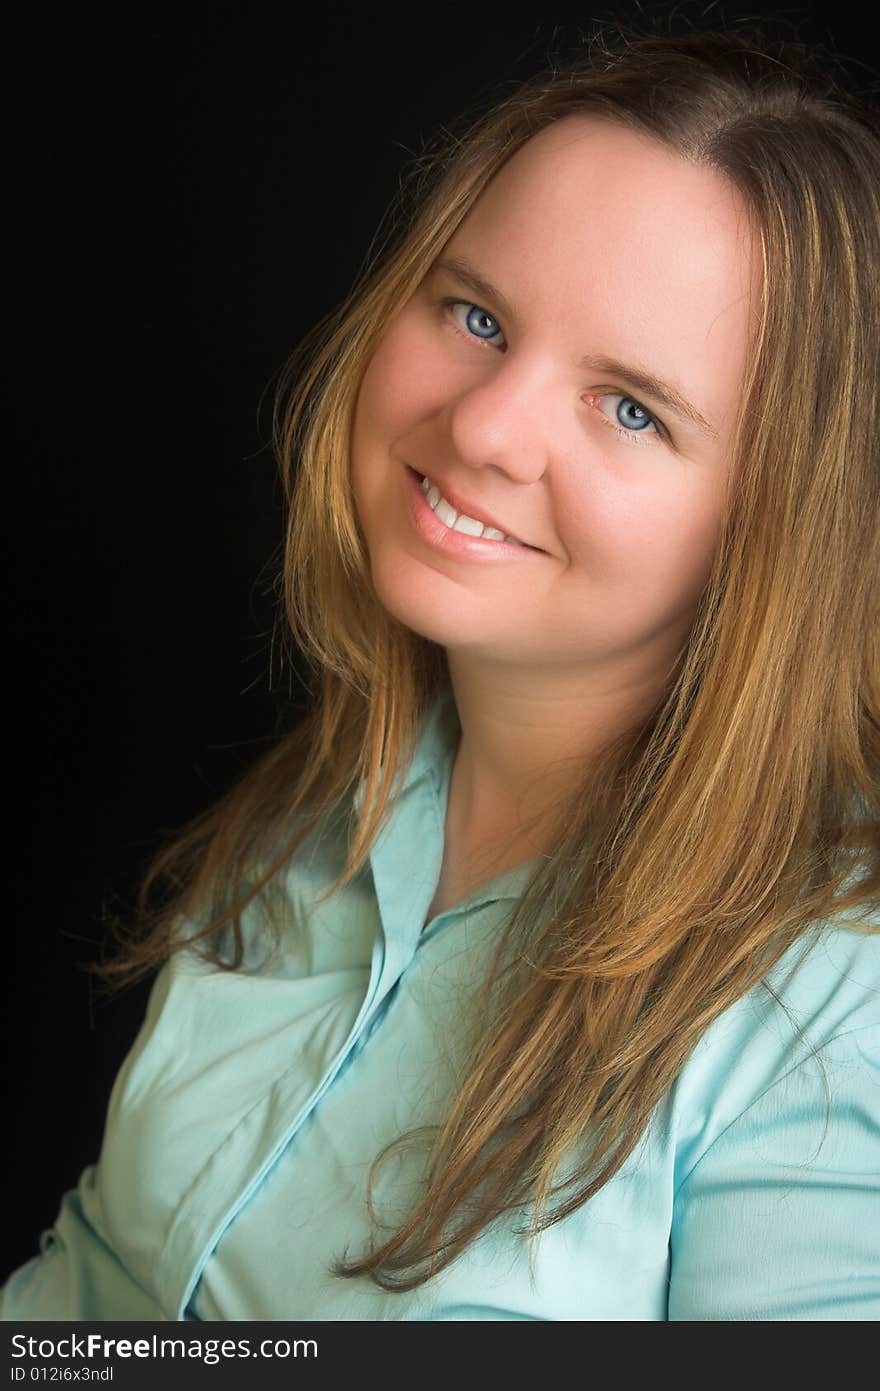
<point>500,422</point>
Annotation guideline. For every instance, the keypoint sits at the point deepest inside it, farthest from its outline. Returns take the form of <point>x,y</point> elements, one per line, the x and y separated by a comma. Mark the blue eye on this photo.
<point>635,418</point>
<point>475,321</point>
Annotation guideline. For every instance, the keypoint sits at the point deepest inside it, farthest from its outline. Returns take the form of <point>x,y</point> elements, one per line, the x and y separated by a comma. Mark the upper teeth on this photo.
<point>460,521</point>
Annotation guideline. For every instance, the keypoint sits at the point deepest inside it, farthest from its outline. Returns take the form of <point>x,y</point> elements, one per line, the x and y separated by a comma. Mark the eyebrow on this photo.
<point>643,381</point>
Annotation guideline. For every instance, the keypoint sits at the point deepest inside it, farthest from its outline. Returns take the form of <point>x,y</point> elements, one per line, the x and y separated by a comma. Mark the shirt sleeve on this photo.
<point>76,1276</point>
<point>779,1219</point>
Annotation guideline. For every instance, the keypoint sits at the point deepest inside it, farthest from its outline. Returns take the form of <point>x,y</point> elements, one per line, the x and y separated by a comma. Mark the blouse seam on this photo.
<point>858,1029</point>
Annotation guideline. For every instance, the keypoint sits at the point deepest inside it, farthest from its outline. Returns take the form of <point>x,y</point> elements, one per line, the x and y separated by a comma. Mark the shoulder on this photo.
<point>281,910</point>
<point>826,985</point>
<point>829,980</point>
<point>777,1118</point>
<point>808,1029</point>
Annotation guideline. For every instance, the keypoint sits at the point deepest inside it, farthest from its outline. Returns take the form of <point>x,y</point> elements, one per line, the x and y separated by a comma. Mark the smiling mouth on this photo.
<point>451,517</point>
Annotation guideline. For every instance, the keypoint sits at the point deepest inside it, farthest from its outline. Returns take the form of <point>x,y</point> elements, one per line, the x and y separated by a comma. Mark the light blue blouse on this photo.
<point>243,1122</point>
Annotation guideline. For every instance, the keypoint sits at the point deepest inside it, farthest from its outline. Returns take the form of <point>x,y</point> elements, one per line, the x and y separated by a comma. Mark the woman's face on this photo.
<point>600,244</point>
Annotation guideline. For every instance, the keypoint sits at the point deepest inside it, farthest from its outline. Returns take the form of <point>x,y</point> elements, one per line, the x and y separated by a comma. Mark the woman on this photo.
<point>533,974</point>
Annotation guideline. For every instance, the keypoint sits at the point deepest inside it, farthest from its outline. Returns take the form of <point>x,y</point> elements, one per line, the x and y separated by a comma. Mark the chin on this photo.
<point>400,594</point>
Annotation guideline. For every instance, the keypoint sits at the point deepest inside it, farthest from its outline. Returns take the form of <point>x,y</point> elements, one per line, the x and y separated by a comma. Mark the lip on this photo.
<point>458,543</point>
<point>461,504</point>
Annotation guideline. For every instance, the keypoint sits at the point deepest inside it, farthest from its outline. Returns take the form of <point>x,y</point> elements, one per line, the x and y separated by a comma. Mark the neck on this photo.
<point>523,747</point>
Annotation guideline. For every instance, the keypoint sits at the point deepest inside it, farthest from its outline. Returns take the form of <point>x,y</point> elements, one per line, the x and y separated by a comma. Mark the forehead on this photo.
<point>586,175</point>
<point>597,232</point>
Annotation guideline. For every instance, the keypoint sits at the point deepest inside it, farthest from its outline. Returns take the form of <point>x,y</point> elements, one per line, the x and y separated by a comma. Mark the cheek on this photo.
<point>625,527</point>
<point>399,386</point>
<point>398,392</point>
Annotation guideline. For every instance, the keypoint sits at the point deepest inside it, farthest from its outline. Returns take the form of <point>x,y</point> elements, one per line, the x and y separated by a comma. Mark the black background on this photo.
<point>190,188</point>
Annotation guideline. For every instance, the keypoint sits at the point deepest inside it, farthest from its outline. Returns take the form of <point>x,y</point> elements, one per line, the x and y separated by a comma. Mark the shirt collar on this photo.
<point>436,742</point>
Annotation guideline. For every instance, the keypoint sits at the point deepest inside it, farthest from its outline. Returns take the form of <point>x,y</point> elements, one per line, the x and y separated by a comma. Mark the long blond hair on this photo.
<point>744,812</point>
